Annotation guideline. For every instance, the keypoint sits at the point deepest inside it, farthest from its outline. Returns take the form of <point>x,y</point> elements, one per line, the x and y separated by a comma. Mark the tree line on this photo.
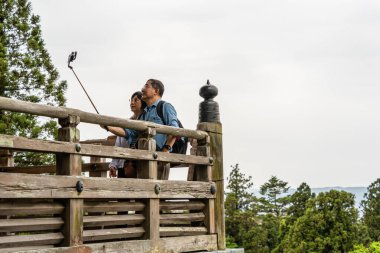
<point>278,222</point>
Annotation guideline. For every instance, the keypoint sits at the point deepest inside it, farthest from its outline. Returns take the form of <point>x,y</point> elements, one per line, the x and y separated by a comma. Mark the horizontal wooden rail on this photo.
<point>15,185</point>
<point>112,233</point>
<point>181,205</point>
<point>179,218</point>
<point>120,206</point>
<point>52,168</point>
<point>63,112</point>
<point>182,231</point>
<point>25,144</point>
<point>111,220</point>
<point>30,240</point>
<point>169,244</point>
<point>16,208</point>
<point>30,224</point>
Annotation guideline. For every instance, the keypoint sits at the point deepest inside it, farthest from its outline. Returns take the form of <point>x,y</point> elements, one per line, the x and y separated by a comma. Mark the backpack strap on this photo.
<point>160,110</point>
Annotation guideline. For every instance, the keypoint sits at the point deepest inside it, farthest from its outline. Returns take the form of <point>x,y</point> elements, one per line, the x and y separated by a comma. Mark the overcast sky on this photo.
<point>298,80</point>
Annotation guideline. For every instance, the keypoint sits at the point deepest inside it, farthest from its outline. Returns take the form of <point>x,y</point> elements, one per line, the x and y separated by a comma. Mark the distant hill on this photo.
<point>357,191</point>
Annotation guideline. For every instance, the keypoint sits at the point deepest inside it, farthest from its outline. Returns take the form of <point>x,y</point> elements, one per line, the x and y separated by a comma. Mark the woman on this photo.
<point>126,169</point>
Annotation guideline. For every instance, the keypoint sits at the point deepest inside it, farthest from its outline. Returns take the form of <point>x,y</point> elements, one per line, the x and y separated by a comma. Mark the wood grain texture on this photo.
<point>14,185</point>
<point>30,240</point>
<point>121,206</point>
<point>25,144</point>
<point>31,224</point>
<point>63,112</point>
<point>110,220</point>
<point>114,233</point>
<point>17,208</point>
<point>181,205</point>
<point>178,218</point>
<point>164,245</point>
<point>216,151</point>
<point>182,231</point>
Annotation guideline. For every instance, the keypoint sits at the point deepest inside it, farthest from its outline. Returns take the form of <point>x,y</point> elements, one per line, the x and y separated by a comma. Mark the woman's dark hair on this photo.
<point>138,94</point>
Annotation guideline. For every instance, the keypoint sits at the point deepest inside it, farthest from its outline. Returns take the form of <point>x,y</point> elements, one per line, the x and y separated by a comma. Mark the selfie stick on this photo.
<point>72,57</point>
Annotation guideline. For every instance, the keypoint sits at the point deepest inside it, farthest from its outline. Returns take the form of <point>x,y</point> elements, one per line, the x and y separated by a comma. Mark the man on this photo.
<point>152,93</point>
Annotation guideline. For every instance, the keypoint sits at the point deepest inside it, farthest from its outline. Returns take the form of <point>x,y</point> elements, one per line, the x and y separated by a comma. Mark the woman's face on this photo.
<point>135,104</point>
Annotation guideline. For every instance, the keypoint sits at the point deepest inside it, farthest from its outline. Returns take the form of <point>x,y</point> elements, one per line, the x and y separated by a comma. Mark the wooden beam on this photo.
<point>113,233</point>
<point>181,205</point>
<point>182,231</point>
<point>71,165</point>
<point>30,224</point>
<point>16,208</point>
<point>169,244</point>
<point>15,185</point>
<point>121,206</point>
<point>174,218</point>
<point>30,240</point>
<point>63,112</point>
<point>214,130</point>
<point>52,168</point>
<point>25,144</point>
<point>110,220</point>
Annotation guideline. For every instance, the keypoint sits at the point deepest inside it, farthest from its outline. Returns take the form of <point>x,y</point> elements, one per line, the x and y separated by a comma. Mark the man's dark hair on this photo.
<point>157,84</point>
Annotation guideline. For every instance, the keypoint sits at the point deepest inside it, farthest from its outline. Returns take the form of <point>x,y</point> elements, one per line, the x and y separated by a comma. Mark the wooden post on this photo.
<point>68,164</point>
<point>148,170</point>
<point>209,122</point>
<point>6,160</point>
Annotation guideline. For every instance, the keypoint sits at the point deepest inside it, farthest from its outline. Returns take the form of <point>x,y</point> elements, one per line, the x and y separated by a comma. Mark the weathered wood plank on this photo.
<point>70,164</point>
<point>14,185</point>
<point>182,231</point>
<point>52,168</point>
<point>30,240</point>
<point>25,144</point>
<point>174,218</point>
<point>164,245</point>
<point>31,224</point>
<point>63,112</point>
<point>114,233</point>
<point>181,205</point>
<point>210,216</point>
<point>23,249</point>
<point>216,151</point>
<point>110,220</point>
<point>16,208</point>
<point>96,207</point>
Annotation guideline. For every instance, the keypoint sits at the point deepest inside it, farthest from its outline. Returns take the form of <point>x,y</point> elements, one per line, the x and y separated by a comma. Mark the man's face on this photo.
<point>148,91</point>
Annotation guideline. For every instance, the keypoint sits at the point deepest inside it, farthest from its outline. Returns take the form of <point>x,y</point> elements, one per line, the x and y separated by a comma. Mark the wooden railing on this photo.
<point>68,212</point>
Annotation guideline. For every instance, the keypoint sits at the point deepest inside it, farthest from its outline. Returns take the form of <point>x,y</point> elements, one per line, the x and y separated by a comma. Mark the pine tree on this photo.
<point>271,191</point>
<point>371,210</point>
<point>328,225</point>
<point>237,204</point>
<point>27,73</point>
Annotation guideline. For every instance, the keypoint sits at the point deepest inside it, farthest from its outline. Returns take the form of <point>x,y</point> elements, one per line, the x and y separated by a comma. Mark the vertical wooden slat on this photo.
<point>68,164</point>
<point>6,158</point>
<point>148,170</point>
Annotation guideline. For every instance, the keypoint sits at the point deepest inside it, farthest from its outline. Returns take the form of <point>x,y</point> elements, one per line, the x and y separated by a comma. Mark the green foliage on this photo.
<point>371,210</point>
<point>26,73</point>
<point>238,200</point>
<point>271,190</point>
<point>296,209</point>
<point>373,248</point>
<point>328,225</point>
